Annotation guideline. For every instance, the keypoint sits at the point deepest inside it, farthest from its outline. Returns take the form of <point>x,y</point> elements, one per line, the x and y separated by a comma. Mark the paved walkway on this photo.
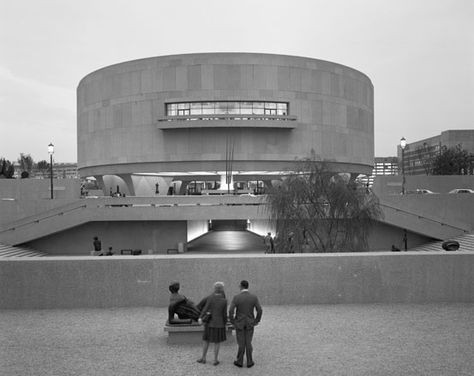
<point>431,339</point>
<point>227,242</point>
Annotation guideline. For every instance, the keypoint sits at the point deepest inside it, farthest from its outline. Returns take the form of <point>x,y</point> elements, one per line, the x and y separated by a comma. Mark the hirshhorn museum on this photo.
<point>180,121</point>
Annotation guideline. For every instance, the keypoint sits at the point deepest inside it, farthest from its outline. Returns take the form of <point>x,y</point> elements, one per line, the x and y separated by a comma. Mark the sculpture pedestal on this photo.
<point>191,334</point>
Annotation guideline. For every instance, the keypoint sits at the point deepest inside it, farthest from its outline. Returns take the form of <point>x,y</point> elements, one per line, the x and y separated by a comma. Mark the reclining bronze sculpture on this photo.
<point>181,306</point>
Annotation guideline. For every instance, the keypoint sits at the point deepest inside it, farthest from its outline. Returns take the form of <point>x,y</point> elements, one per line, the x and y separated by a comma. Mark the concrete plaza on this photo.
<point>371,339</point>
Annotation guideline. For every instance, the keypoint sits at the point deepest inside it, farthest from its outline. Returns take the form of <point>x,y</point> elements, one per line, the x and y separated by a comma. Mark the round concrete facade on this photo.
<point>128,122</point>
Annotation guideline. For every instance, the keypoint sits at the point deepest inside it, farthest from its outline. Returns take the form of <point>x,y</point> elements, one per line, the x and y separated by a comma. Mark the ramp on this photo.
<point>227,242</point>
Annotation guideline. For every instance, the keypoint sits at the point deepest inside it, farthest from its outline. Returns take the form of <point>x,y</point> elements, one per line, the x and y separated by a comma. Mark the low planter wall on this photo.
<point>123,281</point>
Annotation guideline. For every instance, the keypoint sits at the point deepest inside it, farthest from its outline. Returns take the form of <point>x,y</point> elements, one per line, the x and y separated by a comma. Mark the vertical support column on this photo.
<point>127,178</point>
<point>184,186</point>
<point>100,182</point>
<point>267,185</point>
<point>353,177</point>
<point>176,184</point>
<point>227,183</point>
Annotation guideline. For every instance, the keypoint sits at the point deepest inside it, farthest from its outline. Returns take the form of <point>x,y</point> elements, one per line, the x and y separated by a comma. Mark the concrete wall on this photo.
<point>119,107</point>
<point>197,229</point>
<point>21,198</point>
<point>60,215</point>
<point>383,236</point>
<point>392,185</point>
<point>39,188</point>
<point>156,236</point>
<point>116,281</point>
<point>455,209</point>
<point>262,226</point>
<point>162,235</point>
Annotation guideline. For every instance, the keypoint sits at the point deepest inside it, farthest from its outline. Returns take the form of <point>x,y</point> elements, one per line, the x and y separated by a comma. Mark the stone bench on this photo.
<point>191,333</point>
<point>132,252</point>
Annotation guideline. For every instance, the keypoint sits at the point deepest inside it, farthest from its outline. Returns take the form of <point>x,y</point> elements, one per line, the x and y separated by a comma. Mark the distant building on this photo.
<point>385,166</point>
<point>65,171</point>
<point>382,166</point>
<point>418,155</point>
<point>60,171</point>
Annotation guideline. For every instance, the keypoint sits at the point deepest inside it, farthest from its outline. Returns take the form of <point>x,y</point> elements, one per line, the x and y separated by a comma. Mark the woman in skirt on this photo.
<point>214,330</point>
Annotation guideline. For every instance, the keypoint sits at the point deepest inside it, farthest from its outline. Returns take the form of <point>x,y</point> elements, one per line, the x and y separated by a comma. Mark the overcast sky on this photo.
<point>419,55</point>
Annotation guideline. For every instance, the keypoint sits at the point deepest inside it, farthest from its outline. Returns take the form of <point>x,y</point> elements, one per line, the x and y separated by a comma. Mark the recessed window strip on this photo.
<point>227,108</point>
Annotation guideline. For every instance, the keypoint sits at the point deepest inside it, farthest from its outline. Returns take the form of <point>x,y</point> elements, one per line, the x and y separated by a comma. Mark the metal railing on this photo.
<point>228,117</point>
<point>426,218</point>
<point>39,218</point>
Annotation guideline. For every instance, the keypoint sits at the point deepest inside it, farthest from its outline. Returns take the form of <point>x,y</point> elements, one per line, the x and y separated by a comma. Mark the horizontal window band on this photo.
<point>227,107</point>
<point>228,117</point>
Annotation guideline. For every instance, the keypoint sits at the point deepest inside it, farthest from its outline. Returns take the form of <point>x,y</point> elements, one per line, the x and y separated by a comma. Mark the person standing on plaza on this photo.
<point>244,305</point>
<point>97,246</point>
<point>215,329</point>
<point>268,241</point>
<point>291,242</point>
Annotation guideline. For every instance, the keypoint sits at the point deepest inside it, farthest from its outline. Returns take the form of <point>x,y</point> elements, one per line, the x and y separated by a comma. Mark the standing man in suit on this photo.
<point>244,305</point>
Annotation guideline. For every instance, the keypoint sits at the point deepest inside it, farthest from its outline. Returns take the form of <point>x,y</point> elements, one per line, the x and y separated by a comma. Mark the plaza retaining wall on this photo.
<point>132,281</point>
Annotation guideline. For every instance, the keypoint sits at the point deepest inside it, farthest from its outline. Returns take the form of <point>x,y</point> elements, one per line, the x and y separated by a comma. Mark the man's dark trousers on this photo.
<point>244,340</point>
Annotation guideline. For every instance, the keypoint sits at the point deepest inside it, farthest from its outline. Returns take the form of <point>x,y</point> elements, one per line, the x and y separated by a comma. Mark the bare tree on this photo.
<point>43,167</point>
<point>7,170</point>
<point>26,165</point>
<point>322,210</point>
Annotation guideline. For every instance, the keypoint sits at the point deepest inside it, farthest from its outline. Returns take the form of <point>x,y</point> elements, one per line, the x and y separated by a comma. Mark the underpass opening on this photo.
<point>227,236</point>
<point>228,225</point>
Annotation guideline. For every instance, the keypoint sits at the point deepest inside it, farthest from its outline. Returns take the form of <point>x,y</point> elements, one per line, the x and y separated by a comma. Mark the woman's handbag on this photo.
<point>206,317</point>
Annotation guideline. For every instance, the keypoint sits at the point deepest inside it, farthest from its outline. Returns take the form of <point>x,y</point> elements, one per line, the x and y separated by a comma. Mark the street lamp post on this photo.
<point>51,152</point>
<point>403,144</point>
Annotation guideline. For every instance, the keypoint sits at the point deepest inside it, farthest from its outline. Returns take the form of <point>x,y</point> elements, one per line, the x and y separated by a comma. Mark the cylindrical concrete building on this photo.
<point>192,117</point>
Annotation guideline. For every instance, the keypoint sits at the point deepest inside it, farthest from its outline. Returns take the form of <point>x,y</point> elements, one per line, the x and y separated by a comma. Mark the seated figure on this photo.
<point>184,308</point>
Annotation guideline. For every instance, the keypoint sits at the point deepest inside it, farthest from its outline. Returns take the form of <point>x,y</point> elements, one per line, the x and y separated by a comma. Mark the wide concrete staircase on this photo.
<point>466,243</point>
<point>10,251</point>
